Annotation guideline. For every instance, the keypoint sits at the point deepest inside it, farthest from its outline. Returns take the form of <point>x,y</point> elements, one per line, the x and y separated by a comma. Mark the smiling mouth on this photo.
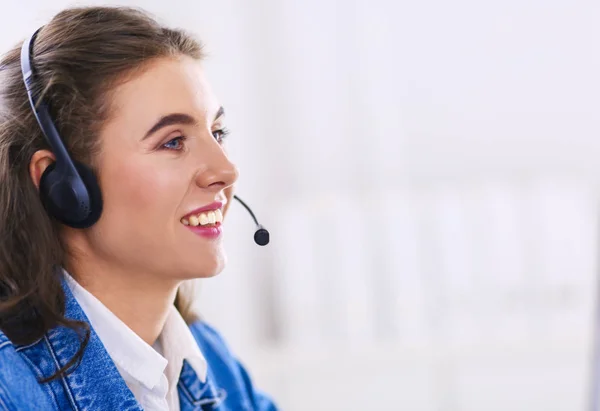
<point>204,219</point>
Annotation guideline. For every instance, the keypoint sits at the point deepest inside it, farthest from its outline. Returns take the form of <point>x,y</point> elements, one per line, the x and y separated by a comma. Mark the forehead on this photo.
<point>166,86</point>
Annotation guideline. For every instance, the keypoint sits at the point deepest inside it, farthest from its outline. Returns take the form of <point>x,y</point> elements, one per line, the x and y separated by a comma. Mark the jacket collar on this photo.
<point>195,394</point>
<point>96,383</point>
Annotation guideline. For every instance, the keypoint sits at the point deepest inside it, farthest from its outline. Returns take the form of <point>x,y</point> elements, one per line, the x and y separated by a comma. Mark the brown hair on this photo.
<point>79,57</point>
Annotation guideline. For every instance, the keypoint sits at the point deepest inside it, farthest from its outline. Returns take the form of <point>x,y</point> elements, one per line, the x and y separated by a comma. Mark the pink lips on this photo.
<point>208,232</point>
<point>211,207</point>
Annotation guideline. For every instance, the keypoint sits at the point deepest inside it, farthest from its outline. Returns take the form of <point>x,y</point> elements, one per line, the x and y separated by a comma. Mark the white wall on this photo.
<point>428,173</point>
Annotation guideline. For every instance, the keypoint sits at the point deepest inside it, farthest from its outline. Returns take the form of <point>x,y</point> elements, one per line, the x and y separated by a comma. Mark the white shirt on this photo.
<point>151,373</point>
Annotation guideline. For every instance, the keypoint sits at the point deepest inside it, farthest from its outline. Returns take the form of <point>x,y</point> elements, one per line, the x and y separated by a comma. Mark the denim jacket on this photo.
<point>95,384</point>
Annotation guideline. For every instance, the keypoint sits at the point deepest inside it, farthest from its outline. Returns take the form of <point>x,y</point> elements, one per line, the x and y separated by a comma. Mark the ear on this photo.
<point>40,160</point>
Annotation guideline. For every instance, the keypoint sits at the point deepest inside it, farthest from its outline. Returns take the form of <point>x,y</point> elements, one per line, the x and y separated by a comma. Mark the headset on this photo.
<point>69,190</point>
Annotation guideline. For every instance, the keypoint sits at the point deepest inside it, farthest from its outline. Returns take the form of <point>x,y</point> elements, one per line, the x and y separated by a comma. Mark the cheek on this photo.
<point>229,195</point>
<point>139,190</point>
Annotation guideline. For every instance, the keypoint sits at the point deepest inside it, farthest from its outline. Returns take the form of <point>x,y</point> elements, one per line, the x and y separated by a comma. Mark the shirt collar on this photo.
<point>178,344</point>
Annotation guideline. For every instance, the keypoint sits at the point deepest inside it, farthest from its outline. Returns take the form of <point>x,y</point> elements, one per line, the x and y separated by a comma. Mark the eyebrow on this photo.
<point>177,118</point>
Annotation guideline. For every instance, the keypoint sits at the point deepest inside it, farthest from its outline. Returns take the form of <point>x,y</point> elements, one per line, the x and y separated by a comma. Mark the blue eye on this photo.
<point>174,144</point>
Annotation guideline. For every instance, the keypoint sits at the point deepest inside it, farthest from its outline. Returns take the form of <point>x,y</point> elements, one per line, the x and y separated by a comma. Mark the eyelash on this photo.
<point>222,134</point>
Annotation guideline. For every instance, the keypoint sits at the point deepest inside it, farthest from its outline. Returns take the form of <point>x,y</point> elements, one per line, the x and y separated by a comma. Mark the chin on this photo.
<point>206,268</point>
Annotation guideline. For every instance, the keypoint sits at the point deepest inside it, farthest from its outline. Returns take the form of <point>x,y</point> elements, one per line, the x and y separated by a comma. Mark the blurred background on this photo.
<point>428,171</point>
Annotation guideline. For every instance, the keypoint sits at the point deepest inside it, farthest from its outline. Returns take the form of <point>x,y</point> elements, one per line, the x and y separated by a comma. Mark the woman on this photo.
<point>97,253</point>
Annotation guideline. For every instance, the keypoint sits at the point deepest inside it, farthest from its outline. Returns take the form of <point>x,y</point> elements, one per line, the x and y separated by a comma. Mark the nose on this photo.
<point>217,171</point>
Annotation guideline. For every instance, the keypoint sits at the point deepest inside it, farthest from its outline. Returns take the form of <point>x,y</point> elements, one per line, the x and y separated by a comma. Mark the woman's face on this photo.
<point>161,163</point>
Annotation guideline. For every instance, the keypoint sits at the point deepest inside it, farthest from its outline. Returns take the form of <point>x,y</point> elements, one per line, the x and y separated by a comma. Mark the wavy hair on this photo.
<point>80,56</point>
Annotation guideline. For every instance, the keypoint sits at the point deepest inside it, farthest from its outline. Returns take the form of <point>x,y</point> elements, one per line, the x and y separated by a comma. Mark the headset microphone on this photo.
<point>261,236</point>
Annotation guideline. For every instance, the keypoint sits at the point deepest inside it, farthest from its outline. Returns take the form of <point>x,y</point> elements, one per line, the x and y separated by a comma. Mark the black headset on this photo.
<point>69,190</point>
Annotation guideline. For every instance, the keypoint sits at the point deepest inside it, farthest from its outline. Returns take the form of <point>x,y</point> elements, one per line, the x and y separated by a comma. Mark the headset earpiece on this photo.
<point>94,193</point>
<point>74,201</point>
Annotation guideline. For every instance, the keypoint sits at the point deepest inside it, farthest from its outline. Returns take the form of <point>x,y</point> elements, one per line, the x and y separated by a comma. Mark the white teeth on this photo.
<point>211,217</point>
<point>203,219</point>
<point>194,220</point>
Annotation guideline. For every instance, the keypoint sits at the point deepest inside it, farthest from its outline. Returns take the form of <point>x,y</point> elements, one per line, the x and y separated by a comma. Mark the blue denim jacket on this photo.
<point>97,385</point>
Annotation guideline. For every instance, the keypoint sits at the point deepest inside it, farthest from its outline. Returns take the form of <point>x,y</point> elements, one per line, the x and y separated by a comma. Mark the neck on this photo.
<point>141,300</point>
